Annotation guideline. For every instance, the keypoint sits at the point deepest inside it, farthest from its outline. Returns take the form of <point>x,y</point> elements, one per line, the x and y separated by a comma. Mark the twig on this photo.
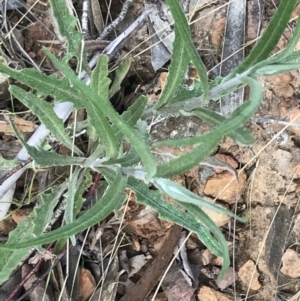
<point>117,21</point>
<point>25,279</point>
<point>35,284</point>
<point>84,19</point>
<point>274,121</point>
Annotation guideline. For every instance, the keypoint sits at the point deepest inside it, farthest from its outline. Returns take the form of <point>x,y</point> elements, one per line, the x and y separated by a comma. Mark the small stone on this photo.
<point>215,186</point>
<point>245,275</point>
<point>87,284</point>
<point>21,214</point>
<point>291,264</point>
<point>208,294</point>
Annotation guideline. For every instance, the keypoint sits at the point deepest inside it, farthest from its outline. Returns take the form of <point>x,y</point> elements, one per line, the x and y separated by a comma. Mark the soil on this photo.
<point>264,251</point>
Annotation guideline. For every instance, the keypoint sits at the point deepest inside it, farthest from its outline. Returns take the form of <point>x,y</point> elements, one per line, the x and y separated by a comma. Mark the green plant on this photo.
<point>107,131</point>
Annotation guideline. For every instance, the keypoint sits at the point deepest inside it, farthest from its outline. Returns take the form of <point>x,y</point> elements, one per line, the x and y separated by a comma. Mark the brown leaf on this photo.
<point>23,126</point>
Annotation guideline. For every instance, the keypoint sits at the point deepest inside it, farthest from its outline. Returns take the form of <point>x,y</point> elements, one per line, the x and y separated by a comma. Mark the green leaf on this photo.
<point>201,216</point>
<point>184,31</point>
<point>269,39</point>
<point>112,199</point>
<point>100,84</point>
<point>130,159</point>
<point>142,149</point>
<point>241,135</point>
<point>135,111</point>
<point>172,213</point>
<point>210,141</point>
<point>177,69</point>
<point>47,158</point>
<point>183,195</point>
<point>44,111</point>
<point>7,164</point>
<point>276,69</point>
<point>46,85</point>
<point>70,198</point>
<point>27,229</point>
<point>85,182</point>
<point>121,72</point>
<point>67,28</point>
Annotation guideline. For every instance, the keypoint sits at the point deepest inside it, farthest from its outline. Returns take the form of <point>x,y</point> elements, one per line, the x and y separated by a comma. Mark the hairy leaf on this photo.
<point>210,141</point>
<point>112,199</point>
<point>142,149</point>
<point>100,84</point>
<point>184,31</point>
<point>269,39</point>
<point>44,111</point>
<point>29,228</point>
<point>67,28</point>
<point>121,72</point>
<point>177,69</point>
<point>172,213</point>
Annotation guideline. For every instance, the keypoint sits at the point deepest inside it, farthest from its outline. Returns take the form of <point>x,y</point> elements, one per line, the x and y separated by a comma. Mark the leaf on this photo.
<point>177,69</point>
<point>269,39</point>
<point>121,72</point>
<point>130,159</point>
<point>67,28</point>
<point>27,229</point>
<point>70,198</point>
<point>184,31</point>
<point>135,111</point>
<point>44,111</point>
<point>210,141</point>
<point>241,135</point>
<point>112,199</point>
<point>142,149</point>
<point>183,195</point>
<point>46,85</point>
<point>100,84</point>
<point>201,216</point>
<point>46,158</point>
<point>155,200</point>
<point>85,181</point>
<point>7,164</point>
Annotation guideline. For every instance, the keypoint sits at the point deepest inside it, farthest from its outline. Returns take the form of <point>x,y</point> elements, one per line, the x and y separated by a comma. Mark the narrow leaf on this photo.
<point>183,29</point>
<point>112,199</point>
<point>211,140</point>
<point>201,216</point>
<point>183,195</point>
<point>67,28</point>
<point>172,213</point>
<point>177,69</point>
<point>121,72</point>
<point>142,149</point>
<point>46,85</point>
<point>70,198</point>
<point>44,111</point>
<point>30,227</point>
<point>100,84</point>
<point>269,39</point>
